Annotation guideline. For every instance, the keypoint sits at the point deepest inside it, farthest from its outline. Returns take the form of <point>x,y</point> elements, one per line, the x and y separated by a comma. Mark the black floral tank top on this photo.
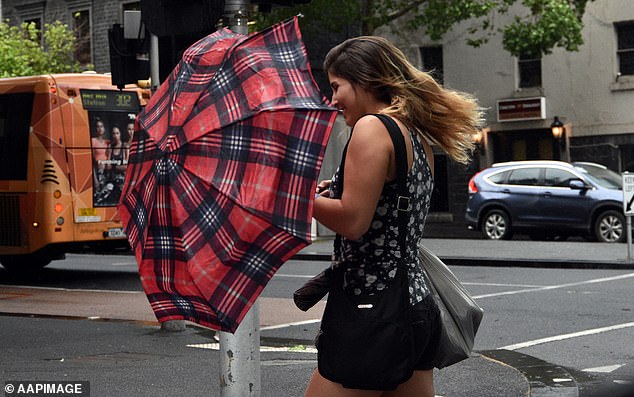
<point>371,262</point>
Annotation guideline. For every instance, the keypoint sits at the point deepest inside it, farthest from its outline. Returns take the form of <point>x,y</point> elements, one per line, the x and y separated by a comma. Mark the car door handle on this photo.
<point>506,191</point>
<point>547,194</point>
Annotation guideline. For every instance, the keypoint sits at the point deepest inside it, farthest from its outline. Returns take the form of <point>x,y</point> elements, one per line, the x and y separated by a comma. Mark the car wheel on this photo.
<point>610,227</point>
<point>496,225</point>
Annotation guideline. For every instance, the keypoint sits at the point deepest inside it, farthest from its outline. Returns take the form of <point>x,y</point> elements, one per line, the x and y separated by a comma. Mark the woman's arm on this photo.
<point>369,154</point>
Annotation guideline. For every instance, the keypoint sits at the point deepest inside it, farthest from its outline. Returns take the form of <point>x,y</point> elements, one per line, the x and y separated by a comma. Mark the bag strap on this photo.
<point>400,156</point>
<point>403,200</point>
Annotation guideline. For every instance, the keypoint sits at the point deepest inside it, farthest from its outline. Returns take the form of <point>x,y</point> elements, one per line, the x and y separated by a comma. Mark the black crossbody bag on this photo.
<point>367,342</point>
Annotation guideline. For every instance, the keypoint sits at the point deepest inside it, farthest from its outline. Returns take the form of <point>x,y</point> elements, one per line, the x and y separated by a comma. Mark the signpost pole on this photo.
<point>628,209</point>
<point>629,238</point>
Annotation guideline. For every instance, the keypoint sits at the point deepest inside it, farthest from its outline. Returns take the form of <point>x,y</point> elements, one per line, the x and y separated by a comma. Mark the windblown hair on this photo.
<point>445,117</point>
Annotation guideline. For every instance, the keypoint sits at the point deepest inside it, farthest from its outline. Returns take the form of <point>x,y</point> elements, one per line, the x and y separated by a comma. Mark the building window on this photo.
<point>81,27</point>
<point>134,6</point>
<point>31,13</point>
<point>530,71</point>
<point>431,59</point>
<point>625,52</point>
<point>37,22</point>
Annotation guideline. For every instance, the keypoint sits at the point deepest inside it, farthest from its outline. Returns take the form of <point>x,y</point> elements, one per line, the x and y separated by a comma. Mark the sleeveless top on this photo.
<point>116,160</point>
<point>371,262</point>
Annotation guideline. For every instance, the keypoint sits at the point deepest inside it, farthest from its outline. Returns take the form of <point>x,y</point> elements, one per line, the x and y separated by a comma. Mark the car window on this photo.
<point>524,176</point>
<point>602,176</point>
<point>500,177</point>
<point>558,177</point>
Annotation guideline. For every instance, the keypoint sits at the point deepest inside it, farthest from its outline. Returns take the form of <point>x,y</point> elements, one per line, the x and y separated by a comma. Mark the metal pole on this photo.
<point>629,237</point>
<point>240,352</point>
<point>154,62</point>
<point>240,358</point>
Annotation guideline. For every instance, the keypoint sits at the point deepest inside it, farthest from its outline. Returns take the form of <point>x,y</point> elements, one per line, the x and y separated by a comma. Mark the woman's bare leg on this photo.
<point>322,387</point>
<point>421,384</point>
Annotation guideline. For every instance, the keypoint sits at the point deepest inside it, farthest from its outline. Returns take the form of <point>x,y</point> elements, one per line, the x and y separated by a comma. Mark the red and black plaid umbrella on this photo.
<point>221,176</point>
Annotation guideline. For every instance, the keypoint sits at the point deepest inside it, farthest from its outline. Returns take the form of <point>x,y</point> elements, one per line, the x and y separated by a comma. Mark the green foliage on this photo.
<point>552,23</point>
<point>542,25</point>
<point>26,51</point>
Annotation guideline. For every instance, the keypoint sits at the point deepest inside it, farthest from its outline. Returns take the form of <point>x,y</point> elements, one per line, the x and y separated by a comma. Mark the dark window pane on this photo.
<point>81,25</point>
<point>432,62</point>
<point>524,176</point>
<point>625,45</point>
<point>15,119</point>
<point>625,36</point>
<point>530,72</point>
<point>626,62</point>
<point>38,25</point>
<point>136,6</point>
<point>557,177</point>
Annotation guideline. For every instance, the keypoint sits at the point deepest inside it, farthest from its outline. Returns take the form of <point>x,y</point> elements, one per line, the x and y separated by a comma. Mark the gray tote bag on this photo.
<point>460,315</point>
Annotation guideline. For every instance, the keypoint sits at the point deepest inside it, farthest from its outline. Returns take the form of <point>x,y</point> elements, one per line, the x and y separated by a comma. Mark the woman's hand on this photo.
<point>323,188</point>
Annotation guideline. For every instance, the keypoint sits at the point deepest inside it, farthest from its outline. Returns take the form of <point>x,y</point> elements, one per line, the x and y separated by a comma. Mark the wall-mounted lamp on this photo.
<point>559,132</point>
<point>478,139</point>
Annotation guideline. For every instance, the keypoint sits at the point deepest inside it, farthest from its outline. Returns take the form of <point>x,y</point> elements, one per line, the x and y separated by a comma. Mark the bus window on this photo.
<point>15,119</point>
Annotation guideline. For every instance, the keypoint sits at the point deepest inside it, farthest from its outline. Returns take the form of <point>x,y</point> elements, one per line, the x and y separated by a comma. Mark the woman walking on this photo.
<point>369,75</point>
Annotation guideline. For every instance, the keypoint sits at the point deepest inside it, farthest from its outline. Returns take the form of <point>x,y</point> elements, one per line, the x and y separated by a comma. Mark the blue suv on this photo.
<point>547,200</point>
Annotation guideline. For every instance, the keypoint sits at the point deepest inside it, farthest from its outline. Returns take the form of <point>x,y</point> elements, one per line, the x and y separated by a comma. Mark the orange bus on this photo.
<point>64,141</point>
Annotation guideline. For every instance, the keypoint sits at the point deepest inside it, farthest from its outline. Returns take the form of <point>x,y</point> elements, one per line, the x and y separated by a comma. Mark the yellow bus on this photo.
<point>64,141</point>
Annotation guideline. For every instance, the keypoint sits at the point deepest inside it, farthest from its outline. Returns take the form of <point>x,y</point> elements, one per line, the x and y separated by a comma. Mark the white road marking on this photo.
<point>504,285</point>
<point>290,324</point>
<point>293,275</point>
<point>123,264</point>
<point>551,287</point>
<point>557,338</point>
<point>264,349</point>
<point>606,369</point>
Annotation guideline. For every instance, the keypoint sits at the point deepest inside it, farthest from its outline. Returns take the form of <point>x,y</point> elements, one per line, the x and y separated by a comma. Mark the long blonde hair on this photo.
<point>446,117</point>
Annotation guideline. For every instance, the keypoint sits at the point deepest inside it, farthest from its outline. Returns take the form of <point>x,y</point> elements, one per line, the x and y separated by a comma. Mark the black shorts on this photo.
<point>426,321</point>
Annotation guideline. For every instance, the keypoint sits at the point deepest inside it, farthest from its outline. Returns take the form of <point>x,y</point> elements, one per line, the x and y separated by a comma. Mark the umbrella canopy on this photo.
<point>222,171</point>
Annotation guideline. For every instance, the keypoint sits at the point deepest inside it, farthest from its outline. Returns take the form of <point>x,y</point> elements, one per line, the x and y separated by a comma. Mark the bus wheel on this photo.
<point>24,263</point>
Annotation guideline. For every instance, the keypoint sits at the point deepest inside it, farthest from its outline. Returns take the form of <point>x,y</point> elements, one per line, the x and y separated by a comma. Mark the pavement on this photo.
<point>119,348</point>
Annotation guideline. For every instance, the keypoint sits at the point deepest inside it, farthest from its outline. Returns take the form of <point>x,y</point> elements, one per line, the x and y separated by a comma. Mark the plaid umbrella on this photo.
<point>222,171</point>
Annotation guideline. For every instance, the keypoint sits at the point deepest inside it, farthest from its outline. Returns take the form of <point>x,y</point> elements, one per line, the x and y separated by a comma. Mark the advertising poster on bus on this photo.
<point>111,117</point>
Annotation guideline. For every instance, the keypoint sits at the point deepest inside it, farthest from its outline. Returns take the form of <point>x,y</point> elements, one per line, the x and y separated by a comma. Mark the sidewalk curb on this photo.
<point>501,262</point>
<point>537,263</point>
<point>544,379</point>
